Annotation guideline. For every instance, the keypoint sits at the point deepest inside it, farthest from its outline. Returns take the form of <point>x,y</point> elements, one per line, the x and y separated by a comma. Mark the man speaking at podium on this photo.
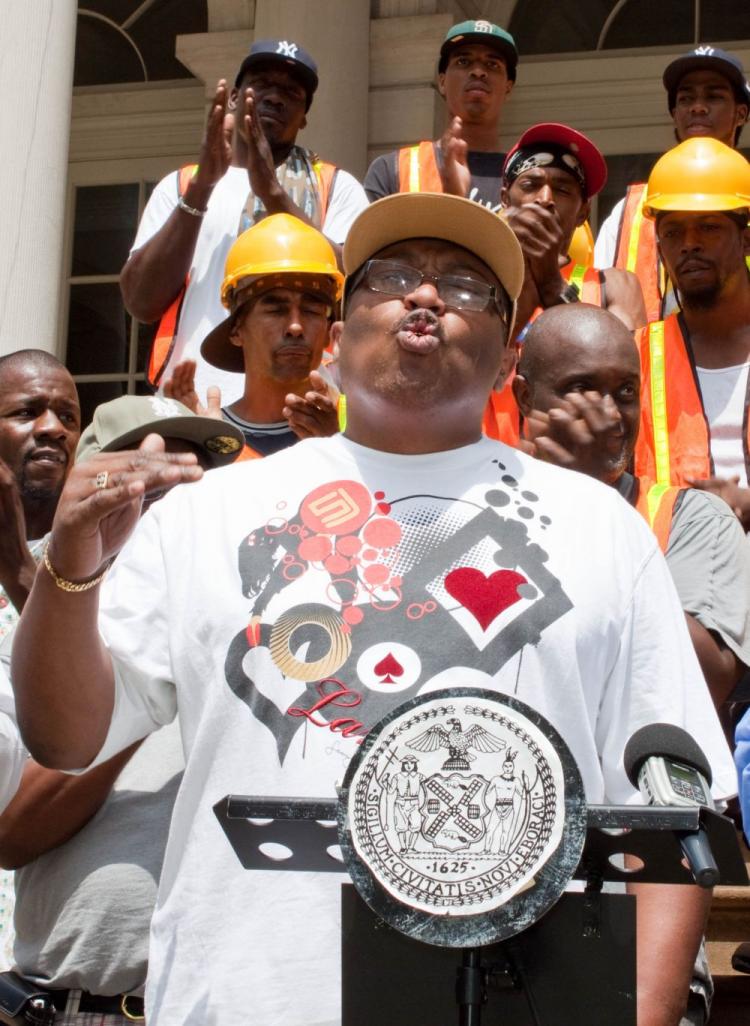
<point>286,605</point>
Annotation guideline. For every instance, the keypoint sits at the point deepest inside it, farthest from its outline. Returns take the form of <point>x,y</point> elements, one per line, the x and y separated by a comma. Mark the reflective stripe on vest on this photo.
<point>656,506</point>
<point>637,252</point>
<point>674,443</point>
<point>418,169</point>
<point>659,402</point>
<point>166,333</point>
<point>587,281</point>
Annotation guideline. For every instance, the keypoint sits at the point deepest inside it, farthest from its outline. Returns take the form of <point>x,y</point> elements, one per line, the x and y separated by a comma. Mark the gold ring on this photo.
<point>102,478</point>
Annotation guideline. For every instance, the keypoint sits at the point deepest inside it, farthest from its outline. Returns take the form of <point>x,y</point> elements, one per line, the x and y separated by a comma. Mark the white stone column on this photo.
<point>337,34</point>
<point>36,82</point>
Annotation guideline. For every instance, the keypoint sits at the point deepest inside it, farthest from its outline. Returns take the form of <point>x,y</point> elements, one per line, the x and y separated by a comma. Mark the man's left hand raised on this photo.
<point>314,414</point>
<point>455,173</point>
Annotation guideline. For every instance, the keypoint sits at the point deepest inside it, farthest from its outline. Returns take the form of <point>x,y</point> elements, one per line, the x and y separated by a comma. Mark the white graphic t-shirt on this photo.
<point>286,605</point>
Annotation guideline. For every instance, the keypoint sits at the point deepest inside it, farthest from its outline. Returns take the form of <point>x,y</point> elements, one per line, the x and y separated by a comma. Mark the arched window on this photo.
<point>133,40</point>
<point>572,26</point>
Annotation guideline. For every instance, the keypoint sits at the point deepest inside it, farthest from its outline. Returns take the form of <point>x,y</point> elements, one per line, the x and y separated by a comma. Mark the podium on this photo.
<point>575,965</point>
<point>459,858</point>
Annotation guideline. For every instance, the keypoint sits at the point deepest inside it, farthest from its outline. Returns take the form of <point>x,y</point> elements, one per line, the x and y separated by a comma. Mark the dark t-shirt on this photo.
<point>486,176</point>
<point>263,438</point>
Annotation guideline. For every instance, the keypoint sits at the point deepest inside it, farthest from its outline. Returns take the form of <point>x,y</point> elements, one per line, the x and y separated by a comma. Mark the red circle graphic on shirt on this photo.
<point>339,507</point>
<point>315,549</point>
<point>382,533</point>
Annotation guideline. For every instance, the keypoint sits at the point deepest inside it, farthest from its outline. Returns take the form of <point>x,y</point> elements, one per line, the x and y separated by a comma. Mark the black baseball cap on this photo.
<point>480,32</point>
<point>710,58</point>
<point>290,55</point>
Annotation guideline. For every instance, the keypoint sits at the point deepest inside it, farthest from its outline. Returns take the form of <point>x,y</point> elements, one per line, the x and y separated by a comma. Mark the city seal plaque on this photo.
<point>462,817</point>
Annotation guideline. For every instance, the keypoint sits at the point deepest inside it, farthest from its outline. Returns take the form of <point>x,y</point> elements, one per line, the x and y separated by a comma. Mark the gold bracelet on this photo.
<point>62,584</point>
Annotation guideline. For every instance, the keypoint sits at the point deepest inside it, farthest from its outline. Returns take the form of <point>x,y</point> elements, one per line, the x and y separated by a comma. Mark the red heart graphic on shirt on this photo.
<point>484,597</point>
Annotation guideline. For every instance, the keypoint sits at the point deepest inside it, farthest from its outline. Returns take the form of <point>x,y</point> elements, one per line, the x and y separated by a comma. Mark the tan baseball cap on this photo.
<point>429,215</point>
<point>124,422</point>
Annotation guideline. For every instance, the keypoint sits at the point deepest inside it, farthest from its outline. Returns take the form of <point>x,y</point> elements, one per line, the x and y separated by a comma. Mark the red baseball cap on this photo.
<point>591,162</point>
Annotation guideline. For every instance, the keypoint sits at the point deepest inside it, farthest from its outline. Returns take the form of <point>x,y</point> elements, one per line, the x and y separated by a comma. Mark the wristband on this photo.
<point>65,585</point>
<point>193,211</point>
<point>570,294</point>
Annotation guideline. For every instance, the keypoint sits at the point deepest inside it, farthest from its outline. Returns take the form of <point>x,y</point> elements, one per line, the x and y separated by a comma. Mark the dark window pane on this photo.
<point>110,50</point>
<point>105,223</point>
<point>723,20</point>
<point>98,330</point>
<point>155,32</point>
<point>561,27</point>
<point>103,55</point>
<point>645,23</point>
<point>91,393</point>
<point>143,388</point>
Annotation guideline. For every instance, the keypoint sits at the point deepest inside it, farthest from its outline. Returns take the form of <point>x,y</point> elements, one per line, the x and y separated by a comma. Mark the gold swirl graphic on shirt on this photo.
<point>340,644</point>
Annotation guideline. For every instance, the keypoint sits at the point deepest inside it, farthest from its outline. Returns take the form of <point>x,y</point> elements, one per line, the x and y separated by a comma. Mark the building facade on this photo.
<point>131,79</point>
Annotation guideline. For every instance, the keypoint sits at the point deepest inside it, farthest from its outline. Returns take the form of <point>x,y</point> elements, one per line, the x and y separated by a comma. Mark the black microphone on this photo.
<point>669,768</point>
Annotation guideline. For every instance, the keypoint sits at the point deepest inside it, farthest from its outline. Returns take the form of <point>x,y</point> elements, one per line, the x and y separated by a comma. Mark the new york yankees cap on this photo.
<point>711,58</point>
<point>291,55</point>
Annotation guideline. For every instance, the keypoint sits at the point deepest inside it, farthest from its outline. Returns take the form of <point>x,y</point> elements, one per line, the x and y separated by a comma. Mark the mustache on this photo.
<point>49,447</point>
<point>694,262</point>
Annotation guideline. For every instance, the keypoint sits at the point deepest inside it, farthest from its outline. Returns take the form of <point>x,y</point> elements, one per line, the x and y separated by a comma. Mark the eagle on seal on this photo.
<point>458,743</point>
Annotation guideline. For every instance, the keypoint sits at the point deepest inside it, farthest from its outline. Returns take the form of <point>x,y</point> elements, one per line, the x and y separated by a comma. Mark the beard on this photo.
<point>39,495</point>
<point>705,298</point>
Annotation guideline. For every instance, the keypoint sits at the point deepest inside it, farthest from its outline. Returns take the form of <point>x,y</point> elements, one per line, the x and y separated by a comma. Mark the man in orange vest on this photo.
<point>549,178</point>
<point>249,166</point>
<point>708,96</point>
<point>476,75</point>
<point>578,387</point>
<point>694,364</point>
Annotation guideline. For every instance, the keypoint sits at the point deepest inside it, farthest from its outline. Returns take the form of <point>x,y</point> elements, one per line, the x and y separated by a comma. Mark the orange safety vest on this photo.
<point>636,250</point>
<point>674,441</point>
<point>418,169</point>
<point>248,453</point>
<point>656,505</point>
<point>166,333</point>
<point>502,419</point>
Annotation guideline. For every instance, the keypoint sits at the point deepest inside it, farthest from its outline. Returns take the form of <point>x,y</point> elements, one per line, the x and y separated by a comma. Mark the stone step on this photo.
<point>728,926</point>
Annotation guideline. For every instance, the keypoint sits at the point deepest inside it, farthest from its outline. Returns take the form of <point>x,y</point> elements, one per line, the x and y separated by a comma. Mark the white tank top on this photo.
<point>724,390</point>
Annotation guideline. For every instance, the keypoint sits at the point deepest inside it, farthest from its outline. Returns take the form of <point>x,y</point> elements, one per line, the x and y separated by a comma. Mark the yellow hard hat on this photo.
<point>280,244</point>
<point>581,249</point>
<point>700,174</point>
<point>279,252</point>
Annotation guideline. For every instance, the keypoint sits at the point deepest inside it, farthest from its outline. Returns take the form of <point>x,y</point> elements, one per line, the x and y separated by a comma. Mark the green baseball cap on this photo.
<point>480,32</point>
<point>124,422</point>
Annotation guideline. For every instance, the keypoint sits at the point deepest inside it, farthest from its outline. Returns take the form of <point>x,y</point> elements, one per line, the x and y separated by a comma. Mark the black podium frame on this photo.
<point>576,964</point>
<point>650,833</point>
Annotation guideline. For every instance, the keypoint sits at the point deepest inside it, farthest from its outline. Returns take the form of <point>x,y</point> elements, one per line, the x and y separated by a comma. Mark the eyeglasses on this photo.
<point>458,293</point>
